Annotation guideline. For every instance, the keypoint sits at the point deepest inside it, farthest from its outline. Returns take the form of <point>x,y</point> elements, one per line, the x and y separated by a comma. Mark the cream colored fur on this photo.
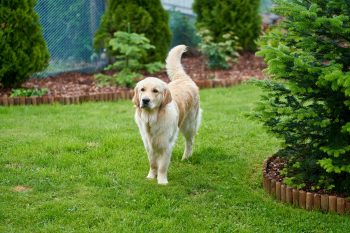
<point>162,110</point>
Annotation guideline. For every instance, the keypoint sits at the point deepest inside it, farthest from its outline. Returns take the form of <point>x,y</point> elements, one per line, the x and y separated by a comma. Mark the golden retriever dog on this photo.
<point>162,110</point>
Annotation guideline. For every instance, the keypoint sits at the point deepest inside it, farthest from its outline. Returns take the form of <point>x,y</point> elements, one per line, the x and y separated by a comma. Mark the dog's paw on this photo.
<point>150,176</point>
<point>162,180</point>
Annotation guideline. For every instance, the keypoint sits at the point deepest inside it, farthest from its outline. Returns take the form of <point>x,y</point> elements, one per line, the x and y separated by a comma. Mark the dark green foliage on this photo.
<point>145,16</point>
<point>218,54</point>
<point>308,101</point>
<point>130,49</point>
<point>22,47</point>
<point>238,16</point>
<point>28,92</point>
<point>183,30</point>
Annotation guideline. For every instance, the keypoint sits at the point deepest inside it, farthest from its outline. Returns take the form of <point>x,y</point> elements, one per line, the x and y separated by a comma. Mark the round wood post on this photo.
<point>273,188</point>
<point>340,205</point>
<point>283,193</point>
<point>302,199</point>
<point>324,202</point>
<point>16,100</point>
<point>34,100</point>
<point>124,94</point>
<point>289,196</point>
<point>51,99</point>
<point>22,100</point>
<point>332,206</point>
<point>309,201</point>
<point>317,201</point>
<point>10,101</point>
<point>268,185</point>
<point>347,206</point>
<point>295,193</point>
<point>5,101</point>
<point>278,190</point>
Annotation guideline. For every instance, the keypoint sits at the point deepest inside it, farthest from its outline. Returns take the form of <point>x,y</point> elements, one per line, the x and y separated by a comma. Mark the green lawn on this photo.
<point>85,166</point>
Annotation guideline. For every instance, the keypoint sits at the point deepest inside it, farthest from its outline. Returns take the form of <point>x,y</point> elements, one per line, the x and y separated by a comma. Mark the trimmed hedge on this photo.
<point>238,16</point>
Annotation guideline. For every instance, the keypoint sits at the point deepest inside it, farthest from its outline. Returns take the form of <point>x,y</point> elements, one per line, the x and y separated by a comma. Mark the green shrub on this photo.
<point>218,54</point>
<point>308,100</point>
<point>28,92</point>
<point>145,17</point>
<point>130,49</point>
<point>238,16</point>
<point>183,30</point>
<point>22,47</point>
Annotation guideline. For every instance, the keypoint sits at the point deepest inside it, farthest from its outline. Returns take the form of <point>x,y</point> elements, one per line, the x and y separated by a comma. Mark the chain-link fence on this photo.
<point>68,27</point>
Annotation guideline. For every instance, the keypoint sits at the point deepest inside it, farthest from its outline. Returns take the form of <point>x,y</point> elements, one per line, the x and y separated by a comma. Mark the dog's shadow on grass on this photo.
<point>209,154</point>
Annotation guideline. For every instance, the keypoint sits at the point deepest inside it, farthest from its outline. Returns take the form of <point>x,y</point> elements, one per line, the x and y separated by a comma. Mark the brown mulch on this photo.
<point>273,171</point>
<point>77,84</point>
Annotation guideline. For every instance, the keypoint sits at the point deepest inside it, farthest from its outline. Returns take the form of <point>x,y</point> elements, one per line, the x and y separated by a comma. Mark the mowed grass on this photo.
<point>83,169</point>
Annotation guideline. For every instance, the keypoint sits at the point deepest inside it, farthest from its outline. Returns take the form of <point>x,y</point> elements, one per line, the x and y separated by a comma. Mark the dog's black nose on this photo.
<point>145,101</point>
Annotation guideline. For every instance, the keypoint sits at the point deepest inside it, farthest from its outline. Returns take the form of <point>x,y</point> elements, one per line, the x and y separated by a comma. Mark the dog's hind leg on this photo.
<point>188,146</point>
<point>189,130</point>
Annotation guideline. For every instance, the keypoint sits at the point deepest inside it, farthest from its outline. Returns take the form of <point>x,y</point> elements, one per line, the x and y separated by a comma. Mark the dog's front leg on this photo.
<point>152,174</point>
<point>163,164</point>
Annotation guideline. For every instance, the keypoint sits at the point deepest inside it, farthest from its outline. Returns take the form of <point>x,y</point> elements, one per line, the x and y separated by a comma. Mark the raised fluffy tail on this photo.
<point>173,63</point>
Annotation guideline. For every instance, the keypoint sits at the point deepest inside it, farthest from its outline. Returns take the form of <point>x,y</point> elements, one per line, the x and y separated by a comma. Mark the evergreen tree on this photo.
<point>308,104</point>
<point>183,30</point>
<point>224,16</point>
<point>145,16</point>
<point>22,47</point>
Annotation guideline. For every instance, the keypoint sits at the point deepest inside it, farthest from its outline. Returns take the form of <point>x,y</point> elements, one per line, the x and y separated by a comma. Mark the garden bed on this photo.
<point>67,88</point>
<point>306,199</point>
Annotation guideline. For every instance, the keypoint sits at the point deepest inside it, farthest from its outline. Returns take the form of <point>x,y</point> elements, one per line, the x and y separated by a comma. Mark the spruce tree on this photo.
<point>23,50</point>
<point>145,16</point>
<point>308,101</point>
<point>238,16</point>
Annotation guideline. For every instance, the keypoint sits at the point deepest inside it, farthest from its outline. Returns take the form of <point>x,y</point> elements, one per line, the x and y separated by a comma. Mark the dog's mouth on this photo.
<point>146,106</point>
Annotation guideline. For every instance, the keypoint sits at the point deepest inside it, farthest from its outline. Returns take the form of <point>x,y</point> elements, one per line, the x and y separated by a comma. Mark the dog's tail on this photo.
<point>173,63</point>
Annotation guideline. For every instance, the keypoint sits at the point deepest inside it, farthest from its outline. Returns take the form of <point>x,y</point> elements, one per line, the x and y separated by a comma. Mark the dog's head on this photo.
<point>151,93</point>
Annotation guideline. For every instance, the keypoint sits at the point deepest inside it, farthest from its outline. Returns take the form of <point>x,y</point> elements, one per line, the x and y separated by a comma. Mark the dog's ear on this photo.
<point>166,97</point>
<point>135,98</point>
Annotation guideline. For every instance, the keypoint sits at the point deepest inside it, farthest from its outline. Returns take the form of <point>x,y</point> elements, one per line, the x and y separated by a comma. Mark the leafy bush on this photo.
<point>183,30</point>
<point>218,54</point>
<point>238,16</point>
<point>28,92</point>
<point>22,47</point>
<point>145,17</point>
<point>130,50</point>
<point>308,100</point>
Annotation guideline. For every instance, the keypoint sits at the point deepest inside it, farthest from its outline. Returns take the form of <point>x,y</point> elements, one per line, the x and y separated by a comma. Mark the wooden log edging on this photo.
<point>302,199</point>
<point>38,100</point>
<point>105,96</point>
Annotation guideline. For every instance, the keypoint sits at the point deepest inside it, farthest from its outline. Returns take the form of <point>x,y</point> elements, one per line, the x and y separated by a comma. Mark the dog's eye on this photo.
<point>142,89</point>
<point>155,91</point>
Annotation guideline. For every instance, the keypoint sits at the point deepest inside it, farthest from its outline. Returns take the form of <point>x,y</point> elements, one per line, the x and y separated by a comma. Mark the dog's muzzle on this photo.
<point>145,103</point>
